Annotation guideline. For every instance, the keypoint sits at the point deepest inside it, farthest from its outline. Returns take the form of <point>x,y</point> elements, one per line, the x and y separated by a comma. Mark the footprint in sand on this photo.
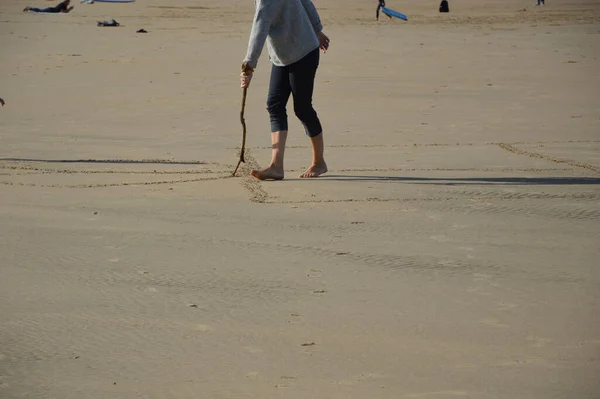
<point>481,276</point>
<point>493,323</point>
<point>202,328</point>
<point>537,362</point>
<point>253,349</point>
<point>370,377</point>
<point>506,305</point>
<point>477,290</point>
<point>438,394</point>
<point>440,238</point>
<point>538,342</point>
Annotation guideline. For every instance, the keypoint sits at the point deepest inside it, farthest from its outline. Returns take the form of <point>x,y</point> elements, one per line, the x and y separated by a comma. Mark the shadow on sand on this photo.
<point>450,181</point>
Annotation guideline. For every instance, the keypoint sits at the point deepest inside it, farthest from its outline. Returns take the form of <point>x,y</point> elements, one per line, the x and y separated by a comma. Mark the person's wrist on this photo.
<point>247,68</point>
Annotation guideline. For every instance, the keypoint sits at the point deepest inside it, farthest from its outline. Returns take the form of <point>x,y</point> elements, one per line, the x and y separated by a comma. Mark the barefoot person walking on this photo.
<point>293,32</point>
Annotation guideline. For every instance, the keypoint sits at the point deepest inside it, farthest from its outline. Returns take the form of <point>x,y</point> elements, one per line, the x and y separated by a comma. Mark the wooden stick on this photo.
<point>245,70</point>
<point>243,121</point>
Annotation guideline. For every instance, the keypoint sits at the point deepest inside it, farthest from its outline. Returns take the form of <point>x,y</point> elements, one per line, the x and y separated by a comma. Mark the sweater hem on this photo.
<point>296,60</point>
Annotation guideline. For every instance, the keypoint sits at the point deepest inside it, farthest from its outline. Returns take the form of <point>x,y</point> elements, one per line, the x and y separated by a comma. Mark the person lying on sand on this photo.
<point>294,33</point>
<point>62,7</point>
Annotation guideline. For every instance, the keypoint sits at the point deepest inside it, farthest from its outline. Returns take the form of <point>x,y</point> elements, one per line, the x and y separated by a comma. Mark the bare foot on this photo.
<point>270,173</point>
<point>315,170</point>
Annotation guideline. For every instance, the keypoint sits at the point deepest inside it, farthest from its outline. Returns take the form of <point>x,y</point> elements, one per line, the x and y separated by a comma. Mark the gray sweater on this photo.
<point>289,27</point>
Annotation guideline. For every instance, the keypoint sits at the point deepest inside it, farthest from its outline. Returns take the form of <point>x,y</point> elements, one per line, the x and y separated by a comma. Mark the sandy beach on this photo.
<point>452,251</point>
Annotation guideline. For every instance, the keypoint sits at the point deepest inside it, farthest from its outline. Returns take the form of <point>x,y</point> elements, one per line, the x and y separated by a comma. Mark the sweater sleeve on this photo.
<point>266,11</point>
<point>313,15</point>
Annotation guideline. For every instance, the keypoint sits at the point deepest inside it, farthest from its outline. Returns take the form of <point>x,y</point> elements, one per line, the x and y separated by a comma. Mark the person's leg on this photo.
<point>275,170</point>
<point>318,165</point>
<point>48,10</point>
<point>279,94</point>
<point>302,81</point>
<point>377,12</point>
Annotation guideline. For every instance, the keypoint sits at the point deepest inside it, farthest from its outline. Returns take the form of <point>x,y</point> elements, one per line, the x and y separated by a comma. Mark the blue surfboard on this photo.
<point>392,13</point>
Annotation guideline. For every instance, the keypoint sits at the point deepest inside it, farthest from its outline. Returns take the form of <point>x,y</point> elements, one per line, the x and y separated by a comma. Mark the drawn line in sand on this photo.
<point>531,154</point>
<point>415,145</point>
<point>108,172</point>
<point>35,170</point>
<point>27,169</point>
<point>111,161</point>
<point>101,185</point>
<point>449,170</point>
<point>251,184</point>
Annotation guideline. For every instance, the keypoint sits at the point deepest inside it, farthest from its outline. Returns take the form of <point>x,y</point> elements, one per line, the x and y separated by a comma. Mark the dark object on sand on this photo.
<point>444,6</point>
<point>2,102</point>
<point>142,31</point>
<point>109,22</point>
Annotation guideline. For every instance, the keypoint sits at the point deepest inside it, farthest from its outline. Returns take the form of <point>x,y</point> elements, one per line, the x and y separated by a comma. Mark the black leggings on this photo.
<point>49,10</point>
<point>297,79</point>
